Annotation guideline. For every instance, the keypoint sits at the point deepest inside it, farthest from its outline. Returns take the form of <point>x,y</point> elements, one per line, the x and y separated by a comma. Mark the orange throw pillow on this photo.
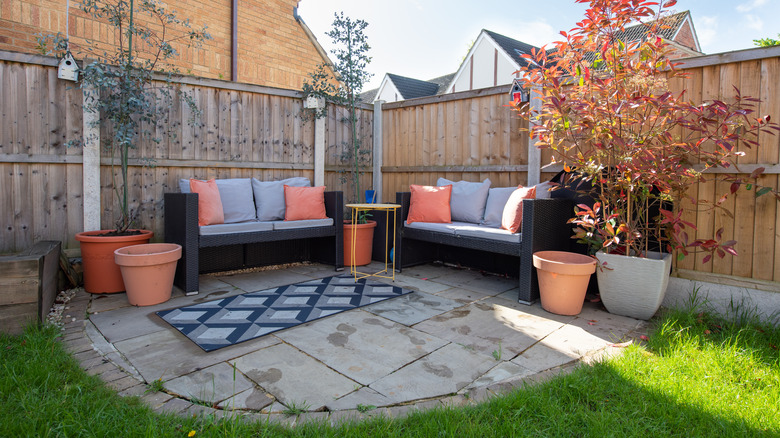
<point>209,203</point>
<point>512,218</point>
<point>302,203</point>
<point>430,204</point>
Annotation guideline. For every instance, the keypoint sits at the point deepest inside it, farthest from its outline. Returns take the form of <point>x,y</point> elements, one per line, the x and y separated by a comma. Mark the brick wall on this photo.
<point>273,49</point>
<point>685,36</point>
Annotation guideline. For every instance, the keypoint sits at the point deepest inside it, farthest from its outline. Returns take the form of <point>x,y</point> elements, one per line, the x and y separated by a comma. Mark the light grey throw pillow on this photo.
<point>269,196</point>
<point>467,203</point>
<point>236,196</point>
<point>494,209</point>
<point>543,190</point>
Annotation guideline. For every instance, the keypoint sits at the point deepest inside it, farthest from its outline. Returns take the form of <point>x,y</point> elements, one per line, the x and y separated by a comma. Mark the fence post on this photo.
<point>534,153</point>
<point>377,153</point>
<point>91,162</point>
<point>319,151</point>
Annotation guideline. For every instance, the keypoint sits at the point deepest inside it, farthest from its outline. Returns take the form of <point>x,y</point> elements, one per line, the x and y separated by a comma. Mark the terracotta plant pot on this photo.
<point>563,280</point>
<point>148,271</point>
<point>363,244</point>
<point>101,274</point>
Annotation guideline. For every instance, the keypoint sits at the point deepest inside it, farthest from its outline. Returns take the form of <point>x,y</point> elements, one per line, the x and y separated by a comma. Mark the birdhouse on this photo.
<point>518,93</point>
<point>68,69</point>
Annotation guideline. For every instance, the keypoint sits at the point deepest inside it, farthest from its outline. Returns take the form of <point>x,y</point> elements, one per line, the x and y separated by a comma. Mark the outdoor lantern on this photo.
<point>68,69</point>
<point>518,93</point>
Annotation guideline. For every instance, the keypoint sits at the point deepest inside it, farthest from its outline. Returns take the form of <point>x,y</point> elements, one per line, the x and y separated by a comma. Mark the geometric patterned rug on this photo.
<point>228,321</point>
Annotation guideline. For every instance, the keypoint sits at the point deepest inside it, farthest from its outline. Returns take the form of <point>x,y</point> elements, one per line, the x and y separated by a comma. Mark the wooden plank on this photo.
<point>705,220</point>
<point>767,210</point>
<point>19,279</point>
<point>15,317</point>
<point>765,235</point>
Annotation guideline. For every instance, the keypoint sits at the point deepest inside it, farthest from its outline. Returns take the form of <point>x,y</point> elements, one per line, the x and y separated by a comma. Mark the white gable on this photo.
<point>486,65</point>
<point>388,91</point>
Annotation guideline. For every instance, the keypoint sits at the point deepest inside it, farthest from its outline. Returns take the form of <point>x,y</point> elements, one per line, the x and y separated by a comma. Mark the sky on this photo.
<point>424,39</point>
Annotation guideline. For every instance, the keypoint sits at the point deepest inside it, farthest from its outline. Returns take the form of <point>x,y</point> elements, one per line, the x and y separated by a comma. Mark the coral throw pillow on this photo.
<point>209,203</point>
<point>430,204</point>
<point>303,203</point>
<point>512,218</point>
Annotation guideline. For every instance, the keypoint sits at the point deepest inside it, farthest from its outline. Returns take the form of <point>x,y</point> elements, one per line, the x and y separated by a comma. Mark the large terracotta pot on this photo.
<point>101,274</point>
<point>633,286</point>
<point>361,246</point>
<point>563,280</point>
<point>148,271</point>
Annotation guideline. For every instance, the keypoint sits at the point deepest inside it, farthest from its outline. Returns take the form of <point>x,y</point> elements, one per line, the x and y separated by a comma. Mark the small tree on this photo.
<point>607,111</point>
<point>767,42</point>
<point>350,76</point>
<point>121,81</point>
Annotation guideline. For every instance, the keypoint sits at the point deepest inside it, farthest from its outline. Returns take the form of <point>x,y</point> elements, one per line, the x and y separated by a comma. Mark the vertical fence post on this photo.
<point>534,153</point>
<point>91,162</point>
<point>317,104</point>
<point>377,154</point>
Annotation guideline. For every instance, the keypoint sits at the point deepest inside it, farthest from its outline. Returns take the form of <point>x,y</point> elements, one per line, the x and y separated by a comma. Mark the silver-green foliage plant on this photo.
<point>352,59</point>
<point>130,84</point>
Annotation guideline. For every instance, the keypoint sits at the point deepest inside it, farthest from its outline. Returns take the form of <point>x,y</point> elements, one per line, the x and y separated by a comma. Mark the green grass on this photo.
<point>697,376</point>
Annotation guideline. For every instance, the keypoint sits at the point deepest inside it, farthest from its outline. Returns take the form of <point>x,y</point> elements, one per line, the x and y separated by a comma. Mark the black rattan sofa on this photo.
<point>544,227</point>
<point>223,252</point>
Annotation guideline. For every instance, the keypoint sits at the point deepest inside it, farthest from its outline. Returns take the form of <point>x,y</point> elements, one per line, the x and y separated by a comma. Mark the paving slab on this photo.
<point>254,399</point>
<point>167,354</point>
<point>364,396</point>
<point>487,327</point>
<point>443,372</point>
<point>105,302</point>
<point>360,345</point>
<point>485,284</point>
<point>412,308</point>
<point>209,283</point>
<point>541,357</point>
<point>255,281</point>
<point>294,377</point>
<point>501,372</point>
<point>211,385</point>
<point>420,284</point>
<point>464,296</point>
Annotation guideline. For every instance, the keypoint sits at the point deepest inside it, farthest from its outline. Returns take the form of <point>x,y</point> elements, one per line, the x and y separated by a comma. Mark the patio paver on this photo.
<point>459,338</point>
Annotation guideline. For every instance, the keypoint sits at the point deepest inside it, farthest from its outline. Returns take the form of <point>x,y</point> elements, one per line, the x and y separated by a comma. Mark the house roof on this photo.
<point>512,47</point>
<point>671,26</point>
<point>411,88</point>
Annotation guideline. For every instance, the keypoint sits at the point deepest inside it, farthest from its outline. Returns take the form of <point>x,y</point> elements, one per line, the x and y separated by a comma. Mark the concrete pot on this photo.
<point>633,286</point>
<point>148,271</point>
<point>563,280</point>
<point>362,244</point>
<point>101,273</point>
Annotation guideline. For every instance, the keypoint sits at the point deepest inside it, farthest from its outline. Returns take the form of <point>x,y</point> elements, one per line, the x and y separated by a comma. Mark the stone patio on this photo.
<point>459,338</point>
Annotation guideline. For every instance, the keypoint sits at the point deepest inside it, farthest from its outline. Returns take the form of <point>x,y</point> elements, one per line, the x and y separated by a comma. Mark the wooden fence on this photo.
<point>245,131</point>
<point>261,132</point>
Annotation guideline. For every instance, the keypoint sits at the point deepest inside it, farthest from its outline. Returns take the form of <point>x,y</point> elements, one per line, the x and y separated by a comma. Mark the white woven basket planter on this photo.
<point>633,286</point>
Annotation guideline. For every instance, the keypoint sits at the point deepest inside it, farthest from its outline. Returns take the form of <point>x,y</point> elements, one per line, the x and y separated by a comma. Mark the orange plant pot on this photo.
<point>563,280</point>
<point>363,244</point>
<point>101,274</point>
<point>148,271</point>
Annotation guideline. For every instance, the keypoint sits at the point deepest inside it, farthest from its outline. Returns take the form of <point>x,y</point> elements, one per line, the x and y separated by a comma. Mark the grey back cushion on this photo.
<point>269,196</point>
<point>543,190</point>
<point>467,202</point>
<point>236,196</point>
<point>494,210</point>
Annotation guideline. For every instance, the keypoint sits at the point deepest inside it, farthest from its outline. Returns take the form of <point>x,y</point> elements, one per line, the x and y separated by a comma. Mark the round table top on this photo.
<point>374,206</point>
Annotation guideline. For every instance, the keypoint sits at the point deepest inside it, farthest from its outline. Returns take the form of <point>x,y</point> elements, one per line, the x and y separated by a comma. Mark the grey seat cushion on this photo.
<point>243,227</point>
<point>310,223</point>
<point>269,196</point>
<point>238,204</point>
<point>483,232</point>
<point>439,228</point>
<point>467,202</point>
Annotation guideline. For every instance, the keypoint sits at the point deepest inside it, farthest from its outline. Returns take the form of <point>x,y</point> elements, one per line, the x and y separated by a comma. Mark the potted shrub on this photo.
<point>343,88</point>
<point>607,112</point>
<point>131,90</point>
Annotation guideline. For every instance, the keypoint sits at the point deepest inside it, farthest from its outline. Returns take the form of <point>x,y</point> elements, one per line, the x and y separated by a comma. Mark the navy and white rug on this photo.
<point>228,321</point>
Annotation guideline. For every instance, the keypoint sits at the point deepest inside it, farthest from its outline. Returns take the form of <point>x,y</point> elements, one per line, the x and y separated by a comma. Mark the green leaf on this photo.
<point>763,191</point>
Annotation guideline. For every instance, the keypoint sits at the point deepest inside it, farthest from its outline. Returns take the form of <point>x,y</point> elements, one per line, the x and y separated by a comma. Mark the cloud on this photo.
<point>749,6</point>
<point>753,22</point>
<point>707,29</point>
<point>537,33</point>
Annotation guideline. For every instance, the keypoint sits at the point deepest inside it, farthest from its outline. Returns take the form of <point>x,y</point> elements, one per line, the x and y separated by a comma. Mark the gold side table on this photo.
<point>387,208</point>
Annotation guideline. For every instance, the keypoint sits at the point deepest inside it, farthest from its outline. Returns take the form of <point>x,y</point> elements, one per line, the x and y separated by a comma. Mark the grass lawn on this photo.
<point>697,376</point>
